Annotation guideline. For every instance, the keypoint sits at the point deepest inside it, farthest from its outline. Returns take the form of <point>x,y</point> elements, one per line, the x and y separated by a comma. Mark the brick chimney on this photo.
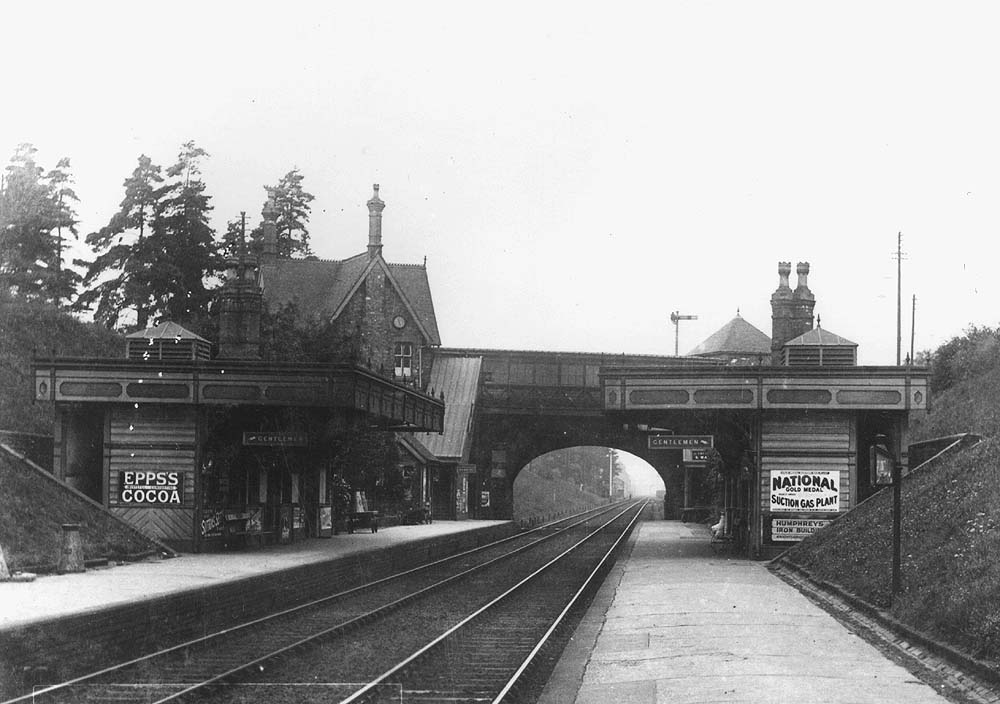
<point>269,229</point>
<point>240,305</point>
<point>375,208</point>
<point>791,311</point>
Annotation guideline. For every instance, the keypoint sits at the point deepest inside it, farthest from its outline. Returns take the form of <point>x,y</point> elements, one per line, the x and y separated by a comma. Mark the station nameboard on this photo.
<point>268,438</point>
<point>681,442</point>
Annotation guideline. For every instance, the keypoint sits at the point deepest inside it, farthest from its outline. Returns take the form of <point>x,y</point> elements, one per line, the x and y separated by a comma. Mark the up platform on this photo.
<point>676,623</point>
<point>66,625</point>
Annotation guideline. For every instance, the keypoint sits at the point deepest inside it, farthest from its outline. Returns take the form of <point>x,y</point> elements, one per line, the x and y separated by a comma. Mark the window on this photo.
<point>403,359</point>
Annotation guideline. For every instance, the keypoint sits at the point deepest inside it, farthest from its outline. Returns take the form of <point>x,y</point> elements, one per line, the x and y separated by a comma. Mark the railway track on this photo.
<point>497,653</point>
<point>209,666</point>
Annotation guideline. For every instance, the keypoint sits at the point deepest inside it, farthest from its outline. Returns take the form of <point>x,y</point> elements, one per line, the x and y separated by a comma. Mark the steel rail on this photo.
<point>571,521</point>
<point>412,658</point>
<point>566,609</point>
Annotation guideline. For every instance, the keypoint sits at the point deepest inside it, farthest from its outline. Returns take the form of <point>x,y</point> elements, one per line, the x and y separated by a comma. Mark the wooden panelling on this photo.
<point>818,441</point>
<point>152,439</point>
<point>161,523</point>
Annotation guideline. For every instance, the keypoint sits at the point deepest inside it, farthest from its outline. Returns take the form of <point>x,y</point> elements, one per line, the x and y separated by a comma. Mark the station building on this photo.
<point>194,447</point>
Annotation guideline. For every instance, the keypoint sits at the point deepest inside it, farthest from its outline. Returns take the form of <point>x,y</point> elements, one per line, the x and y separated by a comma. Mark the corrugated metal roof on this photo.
<point>820,337</point>
<point>458,378</point>
<point>168,330</point>
<point>737,337</point>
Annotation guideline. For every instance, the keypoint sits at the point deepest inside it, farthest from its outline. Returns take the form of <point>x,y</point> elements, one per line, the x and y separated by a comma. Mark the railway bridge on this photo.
<point>791,418</point>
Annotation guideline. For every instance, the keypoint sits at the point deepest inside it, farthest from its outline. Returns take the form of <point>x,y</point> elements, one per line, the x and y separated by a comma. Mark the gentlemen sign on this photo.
<point>163,488</point>
<point>280,438</point>
<point>681,442</point>
<point>797,490</point>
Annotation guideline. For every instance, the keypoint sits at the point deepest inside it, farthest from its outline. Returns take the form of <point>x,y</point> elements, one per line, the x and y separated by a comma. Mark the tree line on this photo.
<point>158,256</point>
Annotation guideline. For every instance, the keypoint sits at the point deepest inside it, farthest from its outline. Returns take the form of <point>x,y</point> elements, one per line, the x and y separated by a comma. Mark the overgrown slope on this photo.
<point>950,517</point>
<point>27,329</point>
<point>950,540</point>
<point>34,510</point>
<point>537,496</point>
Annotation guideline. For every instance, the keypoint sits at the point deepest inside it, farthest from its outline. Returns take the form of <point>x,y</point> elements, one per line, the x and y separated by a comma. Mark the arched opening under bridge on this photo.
<point>576,478</point>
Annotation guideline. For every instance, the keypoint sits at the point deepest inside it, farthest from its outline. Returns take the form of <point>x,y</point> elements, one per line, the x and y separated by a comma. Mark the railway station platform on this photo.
<point>675,622</point>
<point>60,596</point>
<point>76,621</point>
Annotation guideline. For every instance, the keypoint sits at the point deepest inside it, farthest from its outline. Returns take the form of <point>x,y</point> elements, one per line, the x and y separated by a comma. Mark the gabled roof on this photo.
<point>820,337</point>
<point>168,330</point>
<point>458,378</point>
<point>322,288</point>
<point>411,281</point>
<point>737,337</point>
<point>417,449</point>
<point>319,287</point>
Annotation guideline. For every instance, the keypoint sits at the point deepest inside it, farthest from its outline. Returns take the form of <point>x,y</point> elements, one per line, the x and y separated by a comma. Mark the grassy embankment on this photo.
<point>27,329</point>
<point>539,498</point>
<point>34,510</point>
<point>950,531</point>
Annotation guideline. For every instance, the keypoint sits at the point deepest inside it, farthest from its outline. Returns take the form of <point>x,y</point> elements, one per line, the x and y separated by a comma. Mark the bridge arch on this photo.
<point>576,478</point>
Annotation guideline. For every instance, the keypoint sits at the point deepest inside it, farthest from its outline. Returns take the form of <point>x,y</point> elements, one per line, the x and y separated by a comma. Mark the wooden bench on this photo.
<point>362,519</point>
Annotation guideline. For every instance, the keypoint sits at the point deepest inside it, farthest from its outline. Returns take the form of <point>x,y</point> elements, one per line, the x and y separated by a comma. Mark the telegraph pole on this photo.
<point>913,325</point>
<point>898,255</point>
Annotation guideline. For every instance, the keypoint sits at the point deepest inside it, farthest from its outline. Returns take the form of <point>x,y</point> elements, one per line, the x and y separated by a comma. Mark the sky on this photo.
<point>572,171</point>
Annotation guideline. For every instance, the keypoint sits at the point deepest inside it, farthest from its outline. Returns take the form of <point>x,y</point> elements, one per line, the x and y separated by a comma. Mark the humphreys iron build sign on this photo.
<point>159,488</point>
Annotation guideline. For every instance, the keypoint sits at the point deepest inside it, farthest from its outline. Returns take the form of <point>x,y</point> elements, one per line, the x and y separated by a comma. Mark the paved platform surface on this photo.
<point>63,595</point>
<point>676,623</point>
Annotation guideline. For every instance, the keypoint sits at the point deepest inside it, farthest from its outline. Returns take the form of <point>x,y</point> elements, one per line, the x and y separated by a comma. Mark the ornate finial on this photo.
<point>818,321</point>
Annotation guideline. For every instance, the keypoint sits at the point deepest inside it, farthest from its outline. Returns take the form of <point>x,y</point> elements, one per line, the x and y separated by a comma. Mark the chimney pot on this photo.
<point>802,269</point>
<point>784,271</point>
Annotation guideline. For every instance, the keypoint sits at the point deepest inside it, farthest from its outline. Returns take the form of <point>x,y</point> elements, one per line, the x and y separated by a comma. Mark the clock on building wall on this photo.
<point>399,322</point>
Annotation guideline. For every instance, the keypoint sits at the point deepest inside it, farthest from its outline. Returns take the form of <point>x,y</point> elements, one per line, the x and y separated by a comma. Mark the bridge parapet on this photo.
<point>844,388</point>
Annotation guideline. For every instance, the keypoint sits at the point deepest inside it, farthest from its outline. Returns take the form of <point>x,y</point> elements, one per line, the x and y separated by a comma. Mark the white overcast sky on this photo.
<point>572,171</point>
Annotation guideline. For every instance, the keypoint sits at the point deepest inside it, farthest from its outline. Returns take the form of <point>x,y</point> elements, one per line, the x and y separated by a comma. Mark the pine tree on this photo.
<point>60,182</point>
<point>292,204</point>
<point>181,247</point>
<point>35,209</point>
<point>122,252</point>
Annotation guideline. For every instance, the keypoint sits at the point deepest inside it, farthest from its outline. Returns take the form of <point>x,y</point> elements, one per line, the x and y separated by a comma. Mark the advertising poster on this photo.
<point>805,491</point>
<point>254,519</point>
<point>326,521</point>
<point>795,529</point>
<point>150,488</point>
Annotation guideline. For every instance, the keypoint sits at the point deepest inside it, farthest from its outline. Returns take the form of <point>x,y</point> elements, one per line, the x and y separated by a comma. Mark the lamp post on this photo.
<point>886,470</point>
